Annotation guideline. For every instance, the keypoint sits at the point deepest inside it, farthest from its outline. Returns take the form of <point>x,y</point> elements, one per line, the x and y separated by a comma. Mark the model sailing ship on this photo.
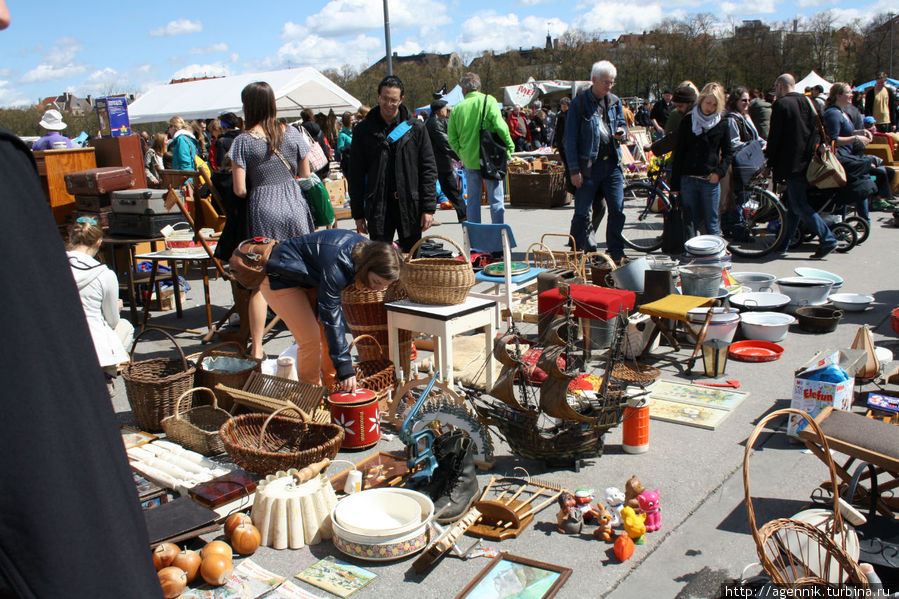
<point>550,423</point>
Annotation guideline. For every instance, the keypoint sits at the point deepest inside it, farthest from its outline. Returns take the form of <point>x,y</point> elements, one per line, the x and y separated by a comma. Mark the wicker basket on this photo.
<point>153,386</point>
<point>573,259</point>
<point>378,375</point>
<point>236,379</point>
<point>267,393</point>
<point>264,445</point>
<point>364,312</point>
<point>635,373</point>
<point>197,429</point>
<point>437,281</point>
<point>795,552</point>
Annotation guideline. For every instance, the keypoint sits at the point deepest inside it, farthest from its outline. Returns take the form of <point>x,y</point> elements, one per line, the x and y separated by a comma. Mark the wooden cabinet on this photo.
<point>122,151</point>
<point>52,165</point>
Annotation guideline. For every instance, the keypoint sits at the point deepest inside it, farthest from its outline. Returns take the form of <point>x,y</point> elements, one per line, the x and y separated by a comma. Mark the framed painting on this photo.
<point>682,413</point>
<point>510,575</point>
<point>132,437</point>
<point>697,395</point>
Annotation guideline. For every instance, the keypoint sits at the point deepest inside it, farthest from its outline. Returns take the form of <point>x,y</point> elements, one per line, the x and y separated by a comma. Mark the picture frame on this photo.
<point>697,395</point>
<point>684,413</point>
<point>528,578</point>
<point>133,437</point>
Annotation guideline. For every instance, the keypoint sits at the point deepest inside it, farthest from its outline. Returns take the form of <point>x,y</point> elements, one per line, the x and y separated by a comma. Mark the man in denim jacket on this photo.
<point>593,131</point>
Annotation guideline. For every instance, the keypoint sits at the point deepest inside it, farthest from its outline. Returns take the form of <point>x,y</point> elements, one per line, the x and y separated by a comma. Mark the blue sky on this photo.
<point>92,48</point>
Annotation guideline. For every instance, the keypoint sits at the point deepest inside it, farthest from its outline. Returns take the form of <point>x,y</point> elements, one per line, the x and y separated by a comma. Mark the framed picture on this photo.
<point>682,413</point>
<point>697,395</point>
<point>510,575</point>
<point>132,437</point>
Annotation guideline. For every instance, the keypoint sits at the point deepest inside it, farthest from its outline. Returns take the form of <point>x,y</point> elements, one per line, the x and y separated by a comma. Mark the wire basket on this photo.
<point>438,281</point>
<point>795,552</point>
<point>197,429</point>
<point>264,444</point>
<point>244,364</point>
<point>153,386</point>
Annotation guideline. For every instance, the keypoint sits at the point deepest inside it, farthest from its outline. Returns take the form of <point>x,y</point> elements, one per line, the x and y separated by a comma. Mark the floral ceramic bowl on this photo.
<point>390,550</point>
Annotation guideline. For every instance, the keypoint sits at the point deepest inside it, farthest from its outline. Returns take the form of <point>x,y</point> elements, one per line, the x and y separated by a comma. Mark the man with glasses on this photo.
<point>392,178</point>
<point>593,131</point>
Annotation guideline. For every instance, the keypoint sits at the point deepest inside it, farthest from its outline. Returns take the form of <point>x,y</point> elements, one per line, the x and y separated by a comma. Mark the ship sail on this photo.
<point>504,388</point>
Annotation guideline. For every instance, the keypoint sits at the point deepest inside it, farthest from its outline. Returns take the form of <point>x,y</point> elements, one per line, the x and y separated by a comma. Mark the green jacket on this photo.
<point>464,128</point>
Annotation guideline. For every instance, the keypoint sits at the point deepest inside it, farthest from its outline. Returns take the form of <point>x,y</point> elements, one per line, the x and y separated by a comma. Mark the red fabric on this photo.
<point>598,303</point>
<point>883,138</point>
<point>535,376</point>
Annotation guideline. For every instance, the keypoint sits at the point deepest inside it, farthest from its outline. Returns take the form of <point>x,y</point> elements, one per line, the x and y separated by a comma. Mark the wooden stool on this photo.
<point>672,307</point>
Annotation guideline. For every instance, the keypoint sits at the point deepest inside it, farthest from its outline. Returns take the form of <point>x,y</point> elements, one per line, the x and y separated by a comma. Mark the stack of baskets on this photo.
<point>153,386</point>
<point>438,281</point>
<point>365,315</point>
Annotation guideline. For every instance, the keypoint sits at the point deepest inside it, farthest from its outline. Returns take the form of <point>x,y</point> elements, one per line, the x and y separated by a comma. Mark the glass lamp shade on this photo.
<point>714,357</point>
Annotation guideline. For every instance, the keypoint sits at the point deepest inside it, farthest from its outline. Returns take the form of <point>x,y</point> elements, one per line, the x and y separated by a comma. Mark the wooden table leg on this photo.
<point>207,298</point>
<point>178,309</point>
<point>132,296</point>
<point>151,286</point>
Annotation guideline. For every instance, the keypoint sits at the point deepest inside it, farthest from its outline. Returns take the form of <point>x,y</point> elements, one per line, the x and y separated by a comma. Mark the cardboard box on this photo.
<point>813,396</point>
<point>337,190</point>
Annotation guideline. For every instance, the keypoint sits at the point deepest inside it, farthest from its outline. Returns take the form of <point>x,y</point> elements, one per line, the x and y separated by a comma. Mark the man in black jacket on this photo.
<point>392,171</point>
<point>791,144</point>
<point>444,156</point>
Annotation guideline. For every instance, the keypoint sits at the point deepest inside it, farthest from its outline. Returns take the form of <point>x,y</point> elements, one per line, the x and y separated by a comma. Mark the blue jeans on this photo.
<point>798,209</point>
<point>605,176</point>
<point>495,195</point>
<point>700,199</point>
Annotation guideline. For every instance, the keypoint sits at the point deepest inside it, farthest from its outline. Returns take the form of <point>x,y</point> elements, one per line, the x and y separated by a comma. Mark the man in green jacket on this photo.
<point>465,140</point>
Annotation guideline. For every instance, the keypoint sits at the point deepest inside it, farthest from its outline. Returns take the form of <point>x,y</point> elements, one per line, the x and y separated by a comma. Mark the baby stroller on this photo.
<point>832,205</point>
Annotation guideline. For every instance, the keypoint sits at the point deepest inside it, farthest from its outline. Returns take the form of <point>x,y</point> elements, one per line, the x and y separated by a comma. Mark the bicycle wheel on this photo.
<point>765,217</point>
<point>846,236</point>
<point>642,225</point>
<point>861,226</point>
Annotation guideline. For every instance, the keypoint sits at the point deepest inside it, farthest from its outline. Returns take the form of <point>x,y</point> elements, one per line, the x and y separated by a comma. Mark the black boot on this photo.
<point>453,483</point>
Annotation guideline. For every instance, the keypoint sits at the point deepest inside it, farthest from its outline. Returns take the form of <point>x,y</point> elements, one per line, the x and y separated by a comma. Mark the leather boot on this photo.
<point>454,483</point>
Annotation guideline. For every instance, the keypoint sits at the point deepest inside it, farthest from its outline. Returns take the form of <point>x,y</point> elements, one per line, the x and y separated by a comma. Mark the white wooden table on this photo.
<point>442,323</point>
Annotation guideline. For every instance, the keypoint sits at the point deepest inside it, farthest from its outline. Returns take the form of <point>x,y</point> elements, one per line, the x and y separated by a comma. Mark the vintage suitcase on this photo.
<point>101,216</point>
<point>141,201</point>
<point>92,203</point>
<point>141,225</point>
<point>98,181</point>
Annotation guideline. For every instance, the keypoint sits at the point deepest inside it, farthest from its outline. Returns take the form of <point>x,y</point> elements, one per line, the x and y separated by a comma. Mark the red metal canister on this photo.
<point>358,414</point>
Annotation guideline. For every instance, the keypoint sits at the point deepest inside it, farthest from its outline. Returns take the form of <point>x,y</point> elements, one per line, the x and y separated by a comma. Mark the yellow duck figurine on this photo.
<point>634,524</point>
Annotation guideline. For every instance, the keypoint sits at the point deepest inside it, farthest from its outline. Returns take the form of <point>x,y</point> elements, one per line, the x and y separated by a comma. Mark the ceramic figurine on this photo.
<point>649,504</point>
<point>584,499</point>
<point>615,501</point>
<point>632,488</point>
<point>634,524</point>
<point>569,519</point>
<point>604,519</point>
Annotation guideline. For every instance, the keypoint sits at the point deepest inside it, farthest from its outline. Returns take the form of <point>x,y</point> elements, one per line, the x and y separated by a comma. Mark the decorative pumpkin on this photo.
<point>235,520</point>
<point>245,539</point>
<point>623,547</point>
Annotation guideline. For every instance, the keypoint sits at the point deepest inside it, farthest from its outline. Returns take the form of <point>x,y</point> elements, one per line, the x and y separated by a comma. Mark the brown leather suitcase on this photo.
<point>99,181</point>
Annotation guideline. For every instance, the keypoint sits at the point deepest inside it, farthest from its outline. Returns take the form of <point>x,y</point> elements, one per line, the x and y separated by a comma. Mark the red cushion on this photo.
<point>598,303</point>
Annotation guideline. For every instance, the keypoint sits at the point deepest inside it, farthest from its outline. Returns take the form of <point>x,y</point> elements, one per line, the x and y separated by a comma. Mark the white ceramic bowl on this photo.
<point>766,326</point>
<point>756,281</point>
<point>805,291</point>
<point>372,513</point>
<point>806,271</point>
<point>759,301</point>
<point>851,302</point>
<point>722,326</point>
<point>376,537</point>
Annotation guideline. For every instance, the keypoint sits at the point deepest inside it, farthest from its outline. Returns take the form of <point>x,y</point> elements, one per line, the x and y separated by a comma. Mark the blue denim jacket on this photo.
<point>582,129</point>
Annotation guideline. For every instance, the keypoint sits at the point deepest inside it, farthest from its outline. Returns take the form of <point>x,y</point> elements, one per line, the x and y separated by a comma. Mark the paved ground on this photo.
<point>704,537</point>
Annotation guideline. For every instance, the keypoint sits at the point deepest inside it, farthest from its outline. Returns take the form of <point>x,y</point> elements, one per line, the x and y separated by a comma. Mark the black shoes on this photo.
<point>454,483</point>
<point>822,251</point>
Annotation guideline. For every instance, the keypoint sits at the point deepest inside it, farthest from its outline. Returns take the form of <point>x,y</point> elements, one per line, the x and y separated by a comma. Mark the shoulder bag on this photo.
<point>317,158</point>
<point>748,161</point>
<point>493,152</point>
<point>825,170</point>
<point>247,263</point>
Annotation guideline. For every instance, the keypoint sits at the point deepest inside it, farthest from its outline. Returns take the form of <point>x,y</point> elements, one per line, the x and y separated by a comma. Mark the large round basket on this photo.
<point>153,386</point>
<point>794,552</point>
<point>263,444</point>
<point>438,281</point>
<point>197,429</point>
<point>229,369</point>
<point>364,312</point>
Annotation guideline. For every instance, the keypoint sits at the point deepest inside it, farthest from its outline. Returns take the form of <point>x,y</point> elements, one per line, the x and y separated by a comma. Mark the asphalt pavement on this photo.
<point>704,538</point>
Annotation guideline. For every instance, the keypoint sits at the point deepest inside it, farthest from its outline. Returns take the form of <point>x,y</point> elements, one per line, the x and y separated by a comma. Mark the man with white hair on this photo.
<point>593,131</point>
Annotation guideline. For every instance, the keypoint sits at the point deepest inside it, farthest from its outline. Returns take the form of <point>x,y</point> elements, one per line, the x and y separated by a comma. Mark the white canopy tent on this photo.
<point>811,80</point>
<point>549,89</point>
<point>295,90</point>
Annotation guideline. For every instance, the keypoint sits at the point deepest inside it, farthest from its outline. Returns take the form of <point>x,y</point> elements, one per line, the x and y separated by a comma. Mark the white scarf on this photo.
<point>702,123</point>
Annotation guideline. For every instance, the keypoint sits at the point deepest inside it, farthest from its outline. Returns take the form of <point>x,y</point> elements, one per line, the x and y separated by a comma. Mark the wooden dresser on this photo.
<point>52,165</point>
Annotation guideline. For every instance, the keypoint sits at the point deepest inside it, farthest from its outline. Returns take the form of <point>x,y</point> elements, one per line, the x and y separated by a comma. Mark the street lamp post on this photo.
<point>891,42</point>
<point>387,40</point>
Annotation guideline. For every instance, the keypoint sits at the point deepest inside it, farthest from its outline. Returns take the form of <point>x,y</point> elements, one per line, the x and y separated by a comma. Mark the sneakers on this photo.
<point>822,251</point>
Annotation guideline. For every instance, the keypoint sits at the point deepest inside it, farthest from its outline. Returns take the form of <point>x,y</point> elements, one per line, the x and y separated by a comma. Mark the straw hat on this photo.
<point>52,120</point>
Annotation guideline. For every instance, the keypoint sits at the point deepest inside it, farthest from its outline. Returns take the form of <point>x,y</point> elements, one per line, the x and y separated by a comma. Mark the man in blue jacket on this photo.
<point>593,131</point>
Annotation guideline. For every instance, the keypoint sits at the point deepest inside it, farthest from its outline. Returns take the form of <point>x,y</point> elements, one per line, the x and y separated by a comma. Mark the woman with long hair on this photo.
<point>153,162</point>
<point>266,159</point>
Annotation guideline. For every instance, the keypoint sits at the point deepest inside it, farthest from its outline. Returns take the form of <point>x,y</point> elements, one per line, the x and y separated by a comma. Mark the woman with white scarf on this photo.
<point>701,158</point>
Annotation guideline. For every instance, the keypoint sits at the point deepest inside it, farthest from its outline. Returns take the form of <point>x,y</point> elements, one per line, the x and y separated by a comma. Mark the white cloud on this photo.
<point>808,3</point>
<point>219,47</point>
<point>57,62</point>
<point>744,9</point>
<point>46,72</point>
<point>215,69</point>
<point>610,18</point>
<point>293,31</point>
<point>10,97</point>
<point>103,80</point>
<point>178,27</point>
<point>322,52</point>
<point>532,2</point>
<point>351,17</point>
<point>492,31</point>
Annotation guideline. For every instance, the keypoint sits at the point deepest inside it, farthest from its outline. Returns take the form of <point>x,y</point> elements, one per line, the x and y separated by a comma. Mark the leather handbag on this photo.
<point>493,152</point>
<point>748,161</point>
<point>825,170</point>
<point>248,261</point>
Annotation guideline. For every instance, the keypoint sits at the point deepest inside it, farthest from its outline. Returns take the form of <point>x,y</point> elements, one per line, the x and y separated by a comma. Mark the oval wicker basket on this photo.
<point>263,444</point>
<point>153,386</point>
<point>794,552</point>
<point>197,429</point>
<point>437,281</point>
<point>364,312</point>
<point>235,379</point>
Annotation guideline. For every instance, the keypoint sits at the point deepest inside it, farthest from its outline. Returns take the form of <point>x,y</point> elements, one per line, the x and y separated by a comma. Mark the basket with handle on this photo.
<point>264,444</point>
<point>153,386</point>
<point>572,259</point>
<point>796,552</point>
<point>437,281</point>
<point>197,429</point>
<point>378,375</point>
<point>234,370</point>
<point>364,312</point>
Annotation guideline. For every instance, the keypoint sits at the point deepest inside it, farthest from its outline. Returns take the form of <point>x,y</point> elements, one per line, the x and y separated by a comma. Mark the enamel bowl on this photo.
<point>756,281</point>
<point>722,326</point>
<point>375,537</point>
<point>805,271</point>
<point>805,291</point>
<point>377,512</point>
<point>759,301</point>
<point>766,326</point>
<point>851,302</point>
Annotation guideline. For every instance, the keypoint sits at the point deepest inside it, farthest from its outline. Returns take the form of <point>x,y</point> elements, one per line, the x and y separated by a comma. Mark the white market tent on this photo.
<point>295,90</point>
<point>549,89</point>
<point>811,80</point>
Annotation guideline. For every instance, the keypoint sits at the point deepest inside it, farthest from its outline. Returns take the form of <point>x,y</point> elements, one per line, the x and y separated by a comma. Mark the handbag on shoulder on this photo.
<point>317,158</point>
<point>825,170</point>
<point>248,261</point>
<point>748,161</point>
<point>493,152</point>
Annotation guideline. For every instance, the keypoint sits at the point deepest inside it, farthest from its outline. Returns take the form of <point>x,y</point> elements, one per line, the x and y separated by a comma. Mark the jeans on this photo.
<point>700,198</point>
<point>453,193</point>
<point>604,177</point>
<point>495,193</point>
<point>798,209</point>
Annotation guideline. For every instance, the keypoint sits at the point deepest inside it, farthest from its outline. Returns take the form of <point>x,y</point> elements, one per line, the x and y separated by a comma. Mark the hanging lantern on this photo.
<point>714,357</point>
